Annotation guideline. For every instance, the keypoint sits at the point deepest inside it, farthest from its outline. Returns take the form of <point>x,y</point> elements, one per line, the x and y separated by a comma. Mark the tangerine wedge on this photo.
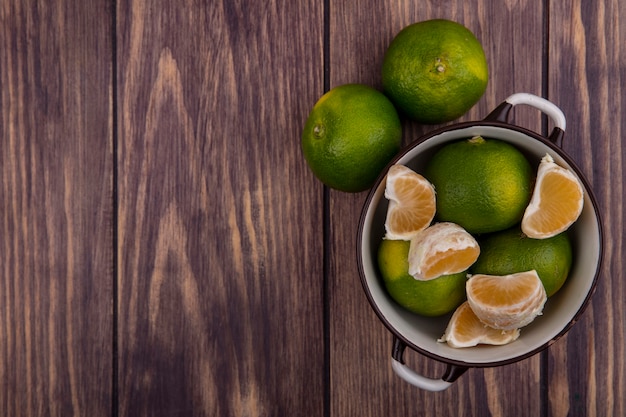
<point>556,202</point>
<point>411,203</point>
<point>441,249</point>
<point>506,301</point>
<point>466,330</point>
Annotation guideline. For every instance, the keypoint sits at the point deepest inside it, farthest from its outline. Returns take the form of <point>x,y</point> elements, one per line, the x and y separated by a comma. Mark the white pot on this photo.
<point>560,312</point>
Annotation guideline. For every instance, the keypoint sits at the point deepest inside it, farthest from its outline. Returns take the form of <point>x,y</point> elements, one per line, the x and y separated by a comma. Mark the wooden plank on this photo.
<point>56,211</point>
<point>587,50</point>
<point>221,256</point>
<point>362,382</point>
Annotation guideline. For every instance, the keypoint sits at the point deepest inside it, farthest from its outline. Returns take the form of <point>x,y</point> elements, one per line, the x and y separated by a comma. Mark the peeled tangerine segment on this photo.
<point>556,203</point>
<point>506,301</point>
<point>441,249</point>
<point>466,330</point>
<point>411,203</point>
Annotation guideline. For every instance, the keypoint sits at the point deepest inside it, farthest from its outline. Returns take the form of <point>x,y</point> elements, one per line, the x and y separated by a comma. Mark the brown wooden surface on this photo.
<point>56,209</point>
<point>165,251</point>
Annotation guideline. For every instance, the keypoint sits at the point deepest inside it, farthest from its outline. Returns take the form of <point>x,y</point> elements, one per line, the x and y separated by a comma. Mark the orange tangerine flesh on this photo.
<point>465,330</point>
<point>441,249</point>
<point>506,301</point>
<point>452,260</point>
<point>411,203</point>
<point>556,203</point>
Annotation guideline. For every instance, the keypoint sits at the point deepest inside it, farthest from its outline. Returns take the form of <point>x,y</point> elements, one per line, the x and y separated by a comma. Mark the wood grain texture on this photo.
<point>221,256</point>
<point>587,80</point>
<point>56,209</point>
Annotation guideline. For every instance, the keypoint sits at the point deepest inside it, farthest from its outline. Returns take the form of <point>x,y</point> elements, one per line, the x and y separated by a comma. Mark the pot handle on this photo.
<point>501,113</point>
<point>452,373</point>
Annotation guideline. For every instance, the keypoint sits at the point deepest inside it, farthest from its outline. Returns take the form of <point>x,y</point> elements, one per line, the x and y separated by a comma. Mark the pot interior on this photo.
<point>561,310</point>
